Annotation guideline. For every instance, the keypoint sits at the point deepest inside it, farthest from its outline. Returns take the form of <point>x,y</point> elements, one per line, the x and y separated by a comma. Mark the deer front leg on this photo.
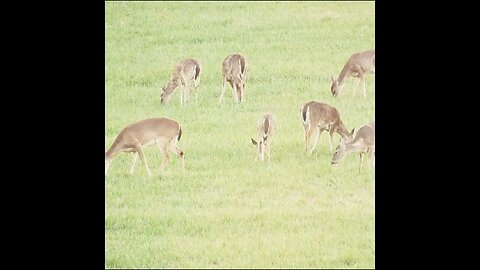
<point>364,87</point>
<point>356,85</point>
<point>332,132</point>
<point>361,161</point>
<point>139,150</point>
<point>135,158</point>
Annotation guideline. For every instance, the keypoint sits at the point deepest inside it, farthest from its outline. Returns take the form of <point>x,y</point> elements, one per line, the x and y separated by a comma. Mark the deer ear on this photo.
<point>254,142</point>
<point>352,131</point>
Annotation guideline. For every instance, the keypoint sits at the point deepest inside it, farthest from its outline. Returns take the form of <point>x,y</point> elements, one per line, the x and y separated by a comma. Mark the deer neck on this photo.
<point>114,150</point>
<point>171,86</point>
<point>343,76</point>
<point>355,146</point>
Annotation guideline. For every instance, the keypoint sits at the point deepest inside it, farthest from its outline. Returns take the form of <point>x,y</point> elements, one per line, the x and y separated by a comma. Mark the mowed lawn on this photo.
<point>229,210</point>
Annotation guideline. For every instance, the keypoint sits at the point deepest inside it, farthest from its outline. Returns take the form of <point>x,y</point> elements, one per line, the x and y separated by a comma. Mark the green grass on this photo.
<point>230,211</point>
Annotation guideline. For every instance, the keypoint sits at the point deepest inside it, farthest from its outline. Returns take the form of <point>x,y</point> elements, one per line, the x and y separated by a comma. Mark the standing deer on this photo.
<point>163,132</point>
<point>364,142</point>
<point>266,129</point>
<point>358,65</point>
<point>318,117</point>
<point>186,74</point>
<point>234,70</point>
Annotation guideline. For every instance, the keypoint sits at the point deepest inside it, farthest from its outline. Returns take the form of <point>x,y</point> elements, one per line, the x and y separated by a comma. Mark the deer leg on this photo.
<point>234,87</point>
<point>361,161</point>
<point>139,150</point>
<point>356,85</point>
<point>179,153</point>
<point>332,132</point>
<point>223,89</point>
<point>318,132</point>
<point>166,157</point>
<point>364,88</point>
<point>188,91</point>
<point>242,93</point>
<point>196,84</point>
<point>181,94</point>
<point>306,138</point>
<point>371,156</point>
<point>268,149</point>
<point>135,158</point>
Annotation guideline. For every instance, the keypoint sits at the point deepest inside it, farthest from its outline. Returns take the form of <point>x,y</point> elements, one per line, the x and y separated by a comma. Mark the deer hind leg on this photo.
<point>196,83</point>
<point>318,131</point>
<point>181,93</point>
<point>268,151</point>
<point>134,162</point>
<point>235,90</point>
<point>242,92</point>
<point>179,153</point>
<point>165,155</point>
<point>223,89</point>
<point>371,156</point>
<point>139,150</point>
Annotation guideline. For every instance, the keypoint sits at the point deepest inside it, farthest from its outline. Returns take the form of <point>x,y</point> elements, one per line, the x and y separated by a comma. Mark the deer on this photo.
<point>358,65</point>
<point>318,117</point>
<point>162,132</point>
<point>363,142</point>
<point>187,75</point>
<point>234,70</point>
<point>266,127</point>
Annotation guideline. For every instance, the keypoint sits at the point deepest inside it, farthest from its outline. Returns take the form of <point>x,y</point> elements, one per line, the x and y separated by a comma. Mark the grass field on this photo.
<point>229,210</point>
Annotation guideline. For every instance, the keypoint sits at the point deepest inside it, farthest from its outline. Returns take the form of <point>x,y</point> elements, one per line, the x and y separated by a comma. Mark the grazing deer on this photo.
<point>186,74</point>
<point>163,132</point>
<point>318,117</point>
<point>363,142</point>
<point>266,129</point>
<point>234,70</point>
<point>358,65</point>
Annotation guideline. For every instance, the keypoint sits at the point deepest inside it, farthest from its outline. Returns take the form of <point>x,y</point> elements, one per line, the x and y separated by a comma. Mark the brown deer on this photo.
<point>318,117</point>
<point>358,65</point>
<point>186,74</point>
<point>163,132</point>
<point>363,142</point>
<point>234,70</point>
<point>266,129</point>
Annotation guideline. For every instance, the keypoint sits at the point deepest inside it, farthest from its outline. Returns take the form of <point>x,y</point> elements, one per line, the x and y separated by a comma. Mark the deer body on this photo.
<point>163,132</point>
<point>358,65</point>
<point>187,75</point>
<point>266,129</point>
<point>234,70</point>
<point>318,117</point>
<point>363,142</point>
